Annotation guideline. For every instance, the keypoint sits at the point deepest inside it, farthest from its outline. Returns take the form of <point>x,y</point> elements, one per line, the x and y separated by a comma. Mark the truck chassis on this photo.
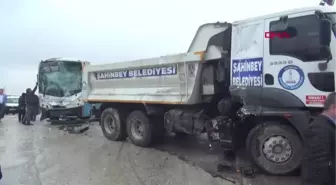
<point>272,140</point>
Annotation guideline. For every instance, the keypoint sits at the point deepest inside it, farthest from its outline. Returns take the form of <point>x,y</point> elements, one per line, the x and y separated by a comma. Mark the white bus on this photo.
<point>60,88</point>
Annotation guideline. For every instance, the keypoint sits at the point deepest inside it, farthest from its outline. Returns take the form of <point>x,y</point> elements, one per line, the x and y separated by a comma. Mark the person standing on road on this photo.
<point>22,106</point>
<point>318,164</point>
<point>36,107</point>
<point>30,103</point>
<point>3,101</point>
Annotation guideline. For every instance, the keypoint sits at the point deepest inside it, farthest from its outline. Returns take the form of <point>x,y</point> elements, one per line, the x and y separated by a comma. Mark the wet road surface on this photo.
<point>43,154</point>
<point>197,152</point>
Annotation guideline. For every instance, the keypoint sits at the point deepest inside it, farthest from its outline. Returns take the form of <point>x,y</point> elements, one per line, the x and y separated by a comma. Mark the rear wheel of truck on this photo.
<point>139,129</point>
<point>276,148</point>
<point>113,125</point>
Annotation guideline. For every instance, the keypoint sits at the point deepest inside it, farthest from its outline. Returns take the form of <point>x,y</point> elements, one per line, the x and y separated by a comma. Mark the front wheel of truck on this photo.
<point>113,125</point>
<point>274,147</point>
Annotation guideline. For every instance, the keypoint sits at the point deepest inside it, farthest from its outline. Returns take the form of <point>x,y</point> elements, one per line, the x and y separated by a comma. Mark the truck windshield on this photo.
<point>60,78</point>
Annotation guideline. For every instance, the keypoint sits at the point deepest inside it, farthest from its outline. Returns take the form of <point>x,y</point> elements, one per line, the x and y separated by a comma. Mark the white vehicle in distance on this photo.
<point>12,106</point>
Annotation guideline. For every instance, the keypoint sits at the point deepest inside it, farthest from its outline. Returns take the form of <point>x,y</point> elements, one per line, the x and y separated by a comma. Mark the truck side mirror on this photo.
<point>325,32</point>
<point>325,39</point>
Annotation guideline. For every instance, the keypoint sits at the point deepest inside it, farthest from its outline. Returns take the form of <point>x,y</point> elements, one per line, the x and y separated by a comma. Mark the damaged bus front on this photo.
<point>60,88</point>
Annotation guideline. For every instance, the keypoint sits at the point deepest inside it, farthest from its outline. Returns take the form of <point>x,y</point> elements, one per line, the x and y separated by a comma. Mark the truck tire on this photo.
<point>113,125</point>
<point>275,148</point>
<point>139,129</point>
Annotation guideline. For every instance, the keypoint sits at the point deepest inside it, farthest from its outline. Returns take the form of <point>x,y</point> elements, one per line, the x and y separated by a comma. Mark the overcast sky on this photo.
<point>108,30</point>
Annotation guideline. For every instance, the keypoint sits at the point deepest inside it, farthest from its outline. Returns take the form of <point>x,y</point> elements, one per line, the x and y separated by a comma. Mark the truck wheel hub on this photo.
<point>137,129</point>
<point>277,149</point>
<point>109,123</point>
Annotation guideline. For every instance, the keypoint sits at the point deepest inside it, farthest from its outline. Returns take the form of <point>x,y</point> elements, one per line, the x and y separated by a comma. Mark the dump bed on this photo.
<point>171,79</point>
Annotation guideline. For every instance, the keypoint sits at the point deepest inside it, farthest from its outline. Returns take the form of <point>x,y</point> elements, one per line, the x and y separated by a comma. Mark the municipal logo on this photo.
<point>291,77</point>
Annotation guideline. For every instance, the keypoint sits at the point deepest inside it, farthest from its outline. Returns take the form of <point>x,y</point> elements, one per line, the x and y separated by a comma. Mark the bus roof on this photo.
<point>63,59</point>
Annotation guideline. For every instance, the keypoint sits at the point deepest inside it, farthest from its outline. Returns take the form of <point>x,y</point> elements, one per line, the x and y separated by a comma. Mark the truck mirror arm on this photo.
<point>324,65</point>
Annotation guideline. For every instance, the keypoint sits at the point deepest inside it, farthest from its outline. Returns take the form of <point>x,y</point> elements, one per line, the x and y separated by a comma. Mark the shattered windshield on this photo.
<point>60,78</point>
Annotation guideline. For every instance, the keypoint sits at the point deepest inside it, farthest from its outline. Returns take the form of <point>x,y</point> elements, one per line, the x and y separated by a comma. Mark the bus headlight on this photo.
<point>66,102</point>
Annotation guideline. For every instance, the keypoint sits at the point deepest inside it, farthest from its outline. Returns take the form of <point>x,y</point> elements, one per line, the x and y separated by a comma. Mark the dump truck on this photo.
<point>253,84</point>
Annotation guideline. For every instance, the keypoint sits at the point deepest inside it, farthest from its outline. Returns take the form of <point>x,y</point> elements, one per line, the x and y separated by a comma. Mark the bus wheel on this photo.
<point>139,129</point>
<point>112,125</point>
<point>277,149</point>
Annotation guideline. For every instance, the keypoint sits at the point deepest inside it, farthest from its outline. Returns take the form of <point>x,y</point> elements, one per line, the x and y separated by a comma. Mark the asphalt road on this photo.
<point>44,154</point>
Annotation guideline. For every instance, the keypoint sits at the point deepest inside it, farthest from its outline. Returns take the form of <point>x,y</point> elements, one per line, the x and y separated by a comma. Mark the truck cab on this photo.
<point>282,69</point>
<point>297,67</point>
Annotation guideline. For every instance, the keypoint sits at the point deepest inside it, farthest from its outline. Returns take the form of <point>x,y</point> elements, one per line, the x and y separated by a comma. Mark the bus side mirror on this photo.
<point>325,32</point>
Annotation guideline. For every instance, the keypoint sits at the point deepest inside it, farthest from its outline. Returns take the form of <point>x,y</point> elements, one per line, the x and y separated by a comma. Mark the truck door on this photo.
<point>292,77</point>
<point>247,64</point>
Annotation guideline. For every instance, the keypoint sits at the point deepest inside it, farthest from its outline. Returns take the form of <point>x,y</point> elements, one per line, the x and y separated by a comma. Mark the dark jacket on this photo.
<point>318,164</point>
<point>30,97</point>
<point>36,101</point>
<point>22,100</point>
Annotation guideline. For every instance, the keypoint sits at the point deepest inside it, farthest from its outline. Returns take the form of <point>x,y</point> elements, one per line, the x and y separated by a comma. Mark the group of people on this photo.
<point>28,106</point>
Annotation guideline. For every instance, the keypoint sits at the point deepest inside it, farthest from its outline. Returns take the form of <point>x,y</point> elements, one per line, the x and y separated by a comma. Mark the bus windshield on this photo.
<point>60,78</point>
